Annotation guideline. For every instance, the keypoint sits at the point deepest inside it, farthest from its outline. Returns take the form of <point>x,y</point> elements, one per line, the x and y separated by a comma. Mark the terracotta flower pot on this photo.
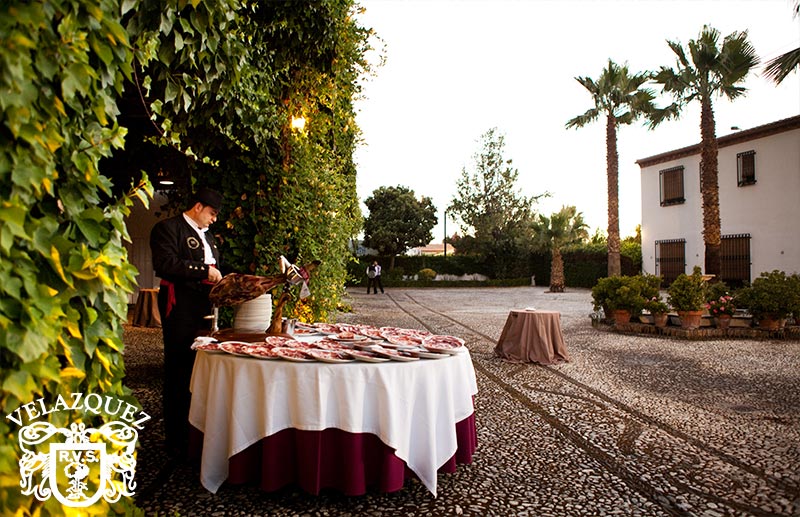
<point>690,319</point>
<point>770,322</point>
<point>723,321</point>
<point>660,319</point>
<point>622,316</point>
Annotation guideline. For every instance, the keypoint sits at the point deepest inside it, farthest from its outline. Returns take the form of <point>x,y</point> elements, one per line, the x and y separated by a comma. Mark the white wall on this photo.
<point>769,210</point>
<point>139,223</point>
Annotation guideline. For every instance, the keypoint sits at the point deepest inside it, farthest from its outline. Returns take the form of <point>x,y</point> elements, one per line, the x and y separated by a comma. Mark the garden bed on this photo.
<point>703,333</point>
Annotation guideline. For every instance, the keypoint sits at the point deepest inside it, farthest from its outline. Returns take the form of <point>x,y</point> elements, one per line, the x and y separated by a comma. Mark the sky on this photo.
<point>456,68</point>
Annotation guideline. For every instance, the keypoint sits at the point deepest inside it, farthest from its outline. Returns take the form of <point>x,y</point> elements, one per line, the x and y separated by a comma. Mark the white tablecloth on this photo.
<point>412,407</point>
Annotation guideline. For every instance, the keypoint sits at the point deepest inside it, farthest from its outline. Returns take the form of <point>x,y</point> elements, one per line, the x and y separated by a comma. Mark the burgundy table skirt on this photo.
<point>314,460</point>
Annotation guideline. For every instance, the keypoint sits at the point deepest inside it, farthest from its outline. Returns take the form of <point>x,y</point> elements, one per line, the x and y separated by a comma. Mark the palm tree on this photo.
<point>779,68</point>
<point>620,96</point>
<point>560,229</point>
<point>709,70</point>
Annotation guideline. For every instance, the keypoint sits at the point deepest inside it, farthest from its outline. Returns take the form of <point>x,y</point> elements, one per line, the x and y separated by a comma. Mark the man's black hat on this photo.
<point>209,197</point>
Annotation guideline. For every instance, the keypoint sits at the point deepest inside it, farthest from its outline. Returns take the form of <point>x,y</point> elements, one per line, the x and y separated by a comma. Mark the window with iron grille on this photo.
<point>735,258</point>
<point>671,185</point>
<point>670,259</point>
<point>746,168</point>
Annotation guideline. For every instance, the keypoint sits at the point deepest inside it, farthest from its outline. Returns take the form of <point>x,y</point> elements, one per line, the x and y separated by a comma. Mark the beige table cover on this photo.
<point>532,336</point>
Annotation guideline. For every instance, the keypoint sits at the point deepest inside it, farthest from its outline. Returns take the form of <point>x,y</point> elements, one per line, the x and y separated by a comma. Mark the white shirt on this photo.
<point>208,255</point>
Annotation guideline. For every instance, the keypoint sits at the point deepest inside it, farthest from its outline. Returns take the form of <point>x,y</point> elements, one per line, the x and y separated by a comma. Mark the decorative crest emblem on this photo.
<point>193,243</point>
<point>87,465</point>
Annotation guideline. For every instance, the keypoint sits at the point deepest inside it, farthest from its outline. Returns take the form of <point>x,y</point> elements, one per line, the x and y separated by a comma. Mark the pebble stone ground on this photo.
<point>633,425</point>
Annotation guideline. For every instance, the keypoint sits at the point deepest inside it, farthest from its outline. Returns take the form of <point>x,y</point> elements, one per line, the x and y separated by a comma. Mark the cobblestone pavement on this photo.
<point>632,425</point>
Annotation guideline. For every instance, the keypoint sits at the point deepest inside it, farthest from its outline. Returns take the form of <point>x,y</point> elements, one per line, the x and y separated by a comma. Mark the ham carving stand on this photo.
<point>236,288</point>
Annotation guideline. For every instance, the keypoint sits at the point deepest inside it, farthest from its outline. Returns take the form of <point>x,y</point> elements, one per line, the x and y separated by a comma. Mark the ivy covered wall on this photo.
<point>218,83</point>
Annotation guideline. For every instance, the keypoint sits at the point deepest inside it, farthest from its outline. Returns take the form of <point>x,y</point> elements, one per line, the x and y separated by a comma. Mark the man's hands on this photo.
<point>214,275</point>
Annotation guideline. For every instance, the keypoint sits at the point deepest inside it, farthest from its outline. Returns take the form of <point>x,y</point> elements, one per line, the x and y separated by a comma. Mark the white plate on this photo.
<point>448,351</point>
<point>394,356</point>
<point>325,357</point>
<point>234,348</point>
<point>369,358</point>
<point>424,354</point>
<point>290,355</point>
<point>253,353</point>
<point>347,339</point>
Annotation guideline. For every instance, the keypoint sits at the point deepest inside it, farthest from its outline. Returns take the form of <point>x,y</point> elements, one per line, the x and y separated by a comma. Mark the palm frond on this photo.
<point>581,120</point>
<point>780,67</point>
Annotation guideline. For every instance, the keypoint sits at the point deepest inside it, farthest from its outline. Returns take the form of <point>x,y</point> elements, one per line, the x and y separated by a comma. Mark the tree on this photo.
<point>621,97</point>
<point>561,229</point>
<point>780,67</point>
<point>492,211</point>
<point>398,221</point>
<point>709,70</point>
<point>222,84</point>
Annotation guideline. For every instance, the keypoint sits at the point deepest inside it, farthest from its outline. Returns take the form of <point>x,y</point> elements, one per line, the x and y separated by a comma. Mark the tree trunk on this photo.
<point>612,176</point>
<point>709,188</point>
<point>391,263</point>
<point>557,272</point>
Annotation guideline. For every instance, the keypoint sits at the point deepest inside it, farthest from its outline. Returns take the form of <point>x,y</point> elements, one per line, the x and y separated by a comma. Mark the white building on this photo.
<point>759,198</point>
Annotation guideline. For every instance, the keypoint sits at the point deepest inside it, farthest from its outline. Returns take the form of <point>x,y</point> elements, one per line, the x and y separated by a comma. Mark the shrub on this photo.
<point>688,292</point>
<point>773,293</point>
<point>426,274</point>
<point>619,292</point>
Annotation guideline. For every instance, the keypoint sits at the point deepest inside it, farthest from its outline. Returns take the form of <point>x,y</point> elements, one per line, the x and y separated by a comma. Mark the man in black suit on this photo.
<point>186,258</point>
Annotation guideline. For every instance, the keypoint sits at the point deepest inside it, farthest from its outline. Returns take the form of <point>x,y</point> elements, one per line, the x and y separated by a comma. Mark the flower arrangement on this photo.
<point>656,305</point>
<point>724,305</point>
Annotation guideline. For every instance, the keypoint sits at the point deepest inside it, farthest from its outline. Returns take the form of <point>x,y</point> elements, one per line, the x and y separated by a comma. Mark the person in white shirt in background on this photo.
<point>374,277</point>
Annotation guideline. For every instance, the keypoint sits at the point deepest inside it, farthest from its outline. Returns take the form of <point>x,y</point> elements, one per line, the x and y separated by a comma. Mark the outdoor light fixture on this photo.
<point>298,123</point>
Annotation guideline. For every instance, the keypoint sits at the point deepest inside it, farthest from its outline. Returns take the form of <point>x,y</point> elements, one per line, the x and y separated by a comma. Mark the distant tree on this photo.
<point>494,216</point>
<point>779,68</point>
<point>553,233</point>
<point>709,70</point>
<point>620,96</point>
<point>398,221</point>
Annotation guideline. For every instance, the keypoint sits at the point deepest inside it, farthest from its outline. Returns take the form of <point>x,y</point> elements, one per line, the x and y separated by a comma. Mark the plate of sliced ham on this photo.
<point>347,336</point>
<point>209,348</point>
<point>329,344</point>
<point>262,352</point>
<point>446,344</point>
<point>327,328</point>
<point>395,355</point>
<point>293,354</point>
<point>426,354</point>
<point>235,347</point>
<point>279,341</point>
<point>368,356</point>
<point>330,356</point>
<point>402,339</point>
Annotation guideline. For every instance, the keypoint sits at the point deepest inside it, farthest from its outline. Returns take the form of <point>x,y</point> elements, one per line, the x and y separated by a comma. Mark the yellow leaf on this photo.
<point>84,274</point>
<point>72,372</point>
<point>67,351</point>
<point>55,257</point>
<point>59,106</point>
<point>103,360</point>
<point>73,329</point>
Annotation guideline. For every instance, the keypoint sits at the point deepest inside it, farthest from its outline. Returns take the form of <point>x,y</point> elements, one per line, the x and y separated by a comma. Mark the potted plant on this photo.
<point>658,308</point>
<point>621,295</point>
<point>722,309</point>
<point>772,298</point>
<point>687,296</point>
